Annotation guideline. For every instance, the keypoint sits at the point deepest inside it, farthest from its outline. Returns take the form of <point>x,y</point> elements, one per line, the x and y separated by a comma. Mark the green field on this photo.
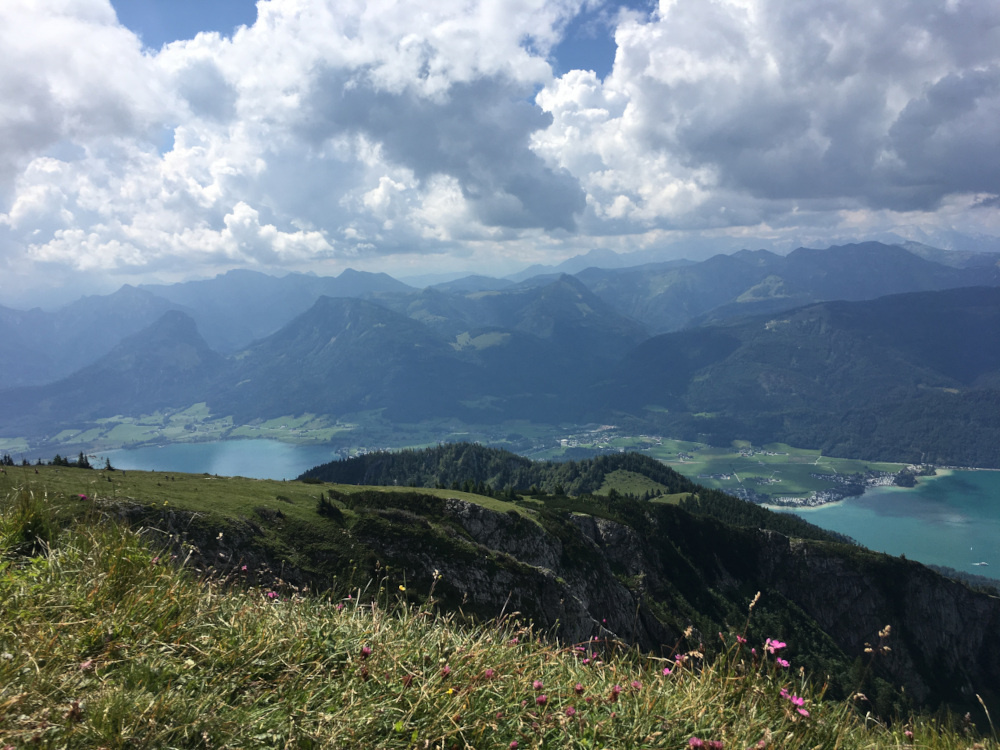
<point>222,497</point>
<point>778,470</point>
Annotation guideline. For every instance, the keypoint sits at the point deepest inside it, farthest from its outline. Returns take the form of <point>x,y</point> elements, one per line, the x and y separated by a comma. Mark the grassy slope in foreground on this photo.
<point>105,643</point>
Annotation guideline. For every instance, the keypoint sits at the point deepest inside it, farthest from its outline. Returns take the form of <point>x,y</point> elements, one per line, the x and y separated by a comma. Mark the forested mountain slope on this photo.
<point>908,377</point>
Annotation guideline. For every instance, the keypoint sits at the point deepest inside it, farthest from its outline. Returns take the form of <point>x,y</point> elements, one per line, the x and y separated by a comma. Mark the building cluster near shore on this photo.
<point>851,485</point>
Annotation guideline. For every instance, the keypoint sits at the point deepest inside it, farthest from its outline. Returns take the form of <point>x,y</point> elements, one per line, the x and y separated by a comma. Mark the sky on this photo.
<point>163,140</point>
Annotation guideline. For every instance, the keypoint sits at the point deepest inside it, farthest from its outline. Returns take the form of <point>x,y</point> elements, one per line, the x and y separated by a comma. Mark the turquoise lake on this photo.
<point>951,520</point>
<point>257,459</point>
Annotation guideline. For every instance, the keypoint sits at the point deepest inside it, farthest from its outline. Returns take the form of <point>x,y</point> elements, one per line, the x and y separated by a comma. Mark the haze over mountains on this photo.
<point>859,349</point>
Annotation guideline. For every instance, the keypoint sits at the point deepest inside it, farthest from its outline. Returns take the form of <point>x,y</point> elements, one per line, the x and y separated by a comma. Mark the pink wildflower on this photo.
<point>366,651</point>
<point>513,745</point>
<point>908,734</point>
<point>537,685</point>
<point>740,639</point>
<point>695,742</point>
<point>781,662</point>
<point>771,645</point>
<point>272,594</point>
<point>795,700</point>
<point>445,670</point>
<point>666,671</point>
<point>542,699</point>
<point>636,685</point>
<point>571,711</point>
<point>489,674</point>
<point>243,568</point>
<point>578,688</point>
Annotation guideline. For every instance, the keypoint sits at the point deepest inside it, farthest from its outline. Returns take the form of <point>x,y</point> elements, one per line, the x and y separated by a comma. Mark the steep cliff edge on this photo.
<point>643,576</point>
<point>944,635</point>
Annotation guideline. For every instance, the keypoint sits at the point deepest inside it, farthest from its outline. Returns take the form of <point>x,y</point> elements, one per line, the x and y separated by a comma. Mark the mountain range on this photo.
<point>866,350</point>
<point>231,311</point>
<point>910,377</point>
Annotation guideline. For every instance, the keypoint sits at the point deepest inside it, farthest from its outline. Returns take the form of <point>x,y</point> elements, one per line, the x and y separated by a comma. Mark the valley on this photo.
<point>775,474</point>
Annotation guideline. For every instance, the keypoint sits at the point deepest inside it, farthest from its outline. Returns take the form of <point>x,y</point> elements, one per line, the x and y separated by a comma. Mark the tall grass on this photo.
<point>107,642</point>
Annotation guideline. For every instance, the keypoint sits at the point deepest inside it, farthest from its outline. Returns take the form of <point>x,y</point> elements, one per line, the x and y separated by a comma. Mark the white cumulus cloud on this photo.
<point>344,132</point>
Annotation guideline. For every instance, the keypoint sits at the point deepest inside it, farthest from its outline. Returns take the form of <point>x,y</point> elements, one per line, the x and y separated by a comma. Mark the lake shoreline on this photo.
<point>256,458</point>
<point>807,508</point>
<point>952,521</point>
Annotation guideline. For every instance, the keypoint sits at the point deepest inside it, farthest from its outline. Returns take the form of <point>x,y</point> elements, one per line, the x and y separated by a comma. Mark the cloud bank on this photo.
<point>352,133</point>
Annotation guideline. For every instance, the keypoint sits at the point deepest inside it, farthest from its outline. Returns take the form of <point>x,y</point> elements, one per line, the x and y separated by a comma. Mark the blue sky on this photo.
<point>482,135</point>
<point>158,22</point>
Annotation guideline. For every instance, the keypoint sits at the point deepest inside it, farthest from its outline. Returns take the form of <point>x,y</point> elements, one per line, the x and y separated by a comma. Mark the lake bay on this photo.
<point>256,459</point>
<point>952,520</point>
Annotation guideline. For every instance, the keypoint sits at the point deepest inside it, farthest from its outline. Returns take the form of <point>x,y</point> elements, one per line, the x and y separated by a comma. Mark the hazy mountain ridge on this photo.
<point>236,308</point>
<point>666,298</point>
<point>43,346</point>
<point>853,378</point>
<point>344,355</point>
<point>230,310</point>
<point>241,306</point>
<point>159,367</point>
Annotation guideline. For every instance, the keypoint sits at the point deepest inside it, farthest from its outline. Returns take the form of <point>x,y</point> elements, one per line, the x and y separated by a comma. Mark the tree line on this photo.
<point>492,471</point>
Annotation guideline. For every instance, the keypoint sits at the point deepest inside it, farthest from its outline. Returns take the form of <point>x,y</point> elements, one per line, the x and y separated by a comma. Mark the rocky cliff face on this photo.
<point>646,580</point>
<point>622,579</point>
<point>944,636</point>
